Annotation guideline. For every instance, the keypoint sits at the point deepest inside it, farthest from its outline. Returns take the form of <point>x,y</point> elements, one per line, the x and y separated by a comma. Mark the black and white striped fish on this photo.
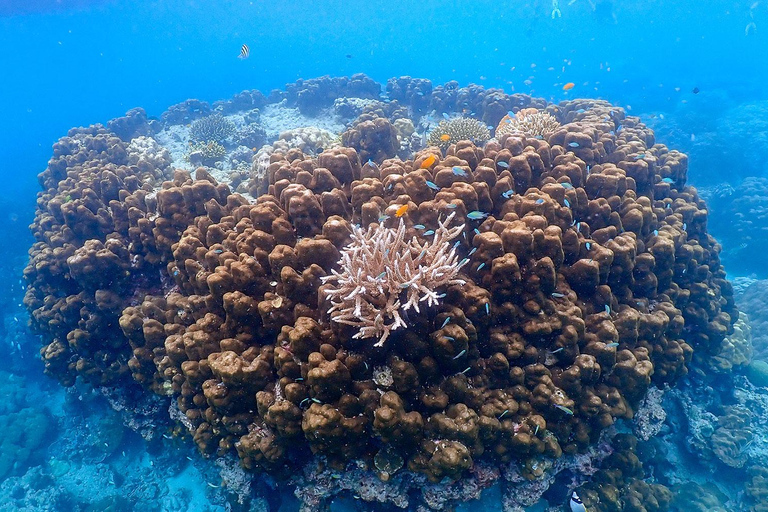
<point>576,504</point>
<point>244,52</point>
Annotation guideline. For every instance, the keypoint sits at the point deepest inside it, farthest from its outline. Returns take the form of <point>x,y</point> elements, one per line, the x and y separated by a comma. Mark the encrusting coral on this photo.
<point>576,270</point>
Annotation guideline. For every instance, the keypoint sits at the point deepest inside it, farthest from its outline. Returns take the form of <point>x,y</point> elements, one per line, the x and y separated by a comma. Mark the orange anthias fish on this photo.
<point>569,86</point>
<point>401,211</point>
<point>428,161</point>
<point>445,137</point>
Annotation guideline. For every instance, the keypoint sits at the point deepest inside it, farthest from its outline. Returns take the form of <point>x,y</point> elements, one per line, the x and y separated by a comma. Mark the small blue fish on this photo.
<point>503,164</point>
<point>419,226</point>
<point>459,354</point>
<point>371,163</point>
<point>588,245</point>
<point>445,322</point>
<point>640,156</point>
<point>458,171</point>
<point>503,414</point>
<point>487,309</point>
<point>656,232</point>
<point>539,201</point>
<point>446,116</point>
<point>573,144</point>
<point>466,369</point>
<point>608,309</point>
<point>668,180</point>
<point>432,185</point>
<point>480,266</point>
<point>566,185</point>
<point>578,227</point>
<point>457,244</point>
<point>429,232</point>
<point>384,217</point>
<point>474,249</point>
<point>463,262</point>
<point>567,203</point>
<point>556,351</point>
<point>510,113</point>
<point>613,344</point>
<point>557,295</point>
<point>476,215</point>
<point>580,111</point>
<point>685,226</point>
<point>564,409</point>
<point>449,338</point>
<point>452,206</point>
<point>477,231</point>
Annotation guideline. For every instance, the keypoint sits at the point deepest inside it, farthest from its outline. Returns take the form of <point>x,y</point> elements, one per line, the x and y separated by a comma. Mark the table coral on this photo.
<point>583,274</point>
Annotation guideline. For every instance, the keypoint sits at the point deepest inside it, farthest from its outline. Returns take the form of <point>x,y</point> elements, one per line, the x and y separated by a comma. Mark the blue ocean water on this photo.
<point>696,72</point>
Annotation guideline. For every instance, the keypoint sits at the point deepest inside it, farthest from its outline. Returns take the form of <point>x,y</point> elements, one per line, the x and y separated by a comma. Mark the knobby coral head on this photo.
<point>379,267</point>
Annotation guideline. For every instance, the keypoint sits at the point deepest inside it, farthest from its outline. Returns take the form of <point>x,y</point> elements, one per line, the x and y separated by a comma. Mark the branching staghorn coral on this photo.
<point>529,121</point>
<point>379,265</point>
<point>213,128</point>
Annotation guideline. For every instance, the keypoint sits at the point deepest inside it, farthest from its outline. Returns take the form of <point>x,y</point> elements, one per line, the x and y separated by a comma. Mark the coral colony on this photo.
<point>380,265</point>
<point>357,312</point>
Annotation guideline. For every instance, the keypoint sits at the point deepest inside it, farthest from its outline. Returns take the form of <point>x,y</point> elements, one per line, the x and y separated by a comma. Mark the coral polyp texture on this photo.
<point>455,317</point>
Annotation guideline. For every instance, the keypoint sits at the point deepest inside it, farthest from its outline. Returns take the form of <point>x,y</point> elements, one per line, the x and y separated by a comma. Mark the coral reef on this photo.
<point>538,286</point>
<point>374,139</point>
<point>206,153</point>
<point>451,131</point>
<point>185,112</point>
<point>530,122</point>
<point>379,265</point>
<point>133,124</point>
<point>251,136</point>
<point>754,302</point>
<point>311,96</point>
<point>211,129</point>
<point>740,221</point>
<point>621,487</point>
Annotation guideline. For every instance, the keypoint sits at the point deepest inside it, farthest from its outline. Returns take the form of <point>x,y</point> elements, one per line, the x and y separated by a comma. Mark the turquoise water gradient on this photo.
<point>66,66</point>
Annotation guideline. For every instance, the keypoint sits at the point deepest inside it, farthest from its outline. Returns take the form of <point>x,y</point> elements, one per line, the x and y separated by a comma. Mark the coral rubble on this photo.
<point>528,291</point>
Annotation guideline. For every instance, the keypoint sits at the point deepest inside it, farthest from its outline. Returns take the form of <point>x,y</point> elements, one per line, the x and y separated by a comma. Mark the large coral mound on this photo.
<point>586,273</point>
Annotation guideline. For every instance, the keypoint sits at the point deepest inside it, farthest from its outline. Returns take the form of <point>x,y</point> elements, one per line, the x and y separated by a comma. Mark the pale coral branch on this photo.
<point>379,266</point>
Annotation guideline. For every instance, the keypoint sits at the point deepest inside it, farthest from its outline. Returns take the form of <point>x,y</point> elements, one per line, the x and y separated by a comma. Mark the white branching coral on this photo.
<point>382,274</point>
<point>529,121</point>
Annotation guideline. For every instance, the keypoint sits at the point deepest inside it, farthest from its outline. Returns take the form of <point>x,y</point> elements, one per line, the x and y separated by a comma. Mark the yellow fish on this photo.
<point>428,161</point>
<point>401,211</point>
<point>569,86</point>
<point>445,137</point>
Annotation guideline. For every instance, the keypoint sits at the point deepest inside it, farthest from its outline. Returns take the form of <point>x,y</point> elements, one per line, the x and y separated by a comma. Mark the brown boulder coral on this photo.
<point>556,278</point>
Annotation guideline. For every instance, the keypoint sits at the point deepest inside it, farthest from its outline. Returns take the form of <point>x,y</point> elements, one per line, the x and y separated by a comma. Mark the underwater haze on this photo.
<point>351,256</point>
